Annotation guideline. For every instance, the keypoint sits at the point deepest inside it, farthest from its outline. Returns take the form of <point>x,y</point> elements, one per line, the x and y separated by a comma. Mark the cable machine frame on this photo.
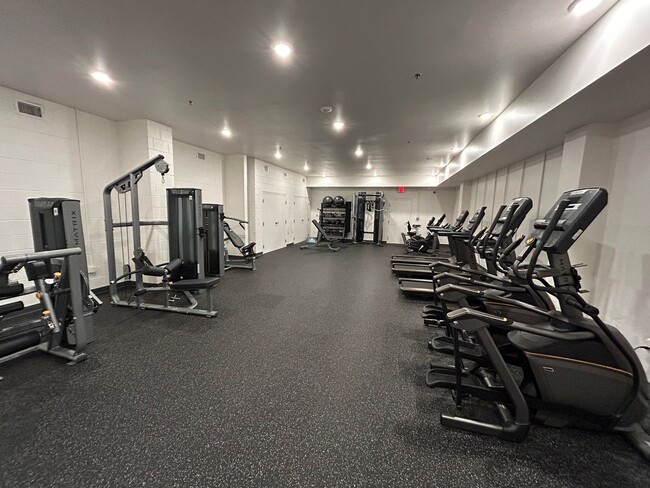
<point>128,183</point>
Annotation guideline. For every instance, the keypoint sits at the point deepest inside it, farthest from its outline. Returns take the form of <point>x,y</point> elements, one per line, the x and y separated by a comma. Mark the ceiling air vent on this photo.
<point>30,109</point>
<point>200,156</point>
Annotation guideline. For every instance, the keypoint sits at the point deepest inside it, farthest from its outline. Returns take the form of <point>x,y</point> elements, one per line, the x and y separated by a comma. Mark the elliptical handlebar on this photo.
<point>555,218</point>
<point>513,245</point>
<point>480,247</point>
<point>505,229</point>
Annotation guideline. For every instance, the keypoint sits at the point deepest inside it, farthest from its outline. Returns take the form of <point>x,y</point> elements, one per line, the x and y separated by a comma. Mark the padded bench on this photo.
<point>194,284</point>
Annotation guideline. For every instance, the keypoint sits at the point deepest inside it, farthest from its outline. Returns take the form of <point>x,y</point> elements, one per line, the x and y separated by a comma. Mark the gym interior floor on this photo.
<point>312,375</point>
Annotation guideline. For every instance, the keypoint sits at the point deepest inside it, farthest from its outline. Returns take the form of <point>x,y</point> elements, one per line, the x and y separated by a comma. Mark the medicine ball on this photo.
<point>339,201</point>
<point>328,200</point>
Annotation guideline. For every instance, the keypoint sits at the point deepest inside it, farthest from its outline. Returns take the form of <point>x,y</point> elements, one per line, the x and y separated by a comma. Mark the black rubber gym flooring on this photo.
<point>312,375</point>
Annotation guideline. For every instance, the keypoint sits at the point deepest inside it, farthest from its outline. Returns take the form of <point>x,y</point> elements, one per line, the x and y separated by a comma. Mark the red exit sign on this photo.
<point>400,189</point>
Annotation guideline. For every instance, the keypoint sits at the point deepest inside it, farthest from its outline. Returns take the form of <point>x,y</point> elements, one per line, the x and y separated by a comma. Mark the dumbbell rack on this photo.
<point>335,220</point>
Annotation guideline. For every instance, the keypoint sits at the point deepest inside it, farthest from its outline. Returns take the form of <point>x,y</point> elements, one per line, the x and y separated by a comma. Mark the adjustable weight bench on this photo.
<point>323,239</point>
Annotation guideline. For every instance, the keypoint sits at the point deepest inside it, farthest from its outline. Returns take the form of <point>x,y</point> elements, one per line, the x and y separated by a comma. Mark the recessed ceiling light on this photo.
<point>359,152</point>
<point>101,77</point>
<point>278,154</point>
<point>369,165</point>
<point>226,132</point>
<point>338,125</point>
<point>306,166</point>
<point>283,50</point>
<point>485,115</point>
<point>326,109</point>
<point>581,7</point>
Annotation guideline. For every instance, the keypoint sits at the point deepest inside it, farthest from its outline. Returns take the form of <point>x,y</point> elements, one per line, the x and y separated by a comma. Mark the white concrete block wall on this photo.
<point>28,169</point>
<point>155,239</point>
<point>73,154</point>
<point>192,172</point>
<point>99,165</point>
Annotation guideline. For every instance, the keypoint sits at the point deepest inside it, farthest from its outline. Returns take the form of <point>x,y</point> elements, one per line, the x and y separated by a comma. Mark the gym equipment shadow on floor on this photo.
<point>311,375</point>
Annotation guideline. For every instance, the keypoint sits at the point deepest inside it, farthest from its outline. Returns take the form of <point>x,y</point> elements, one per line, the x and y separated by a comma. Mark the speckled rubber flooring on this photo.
<point>312,375</point>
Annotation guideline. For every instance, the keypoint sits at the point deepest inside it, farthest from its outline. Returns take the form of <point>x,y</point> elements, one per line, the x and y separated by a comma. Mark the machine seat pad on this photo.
<point>11,307</point>
<point>11,290</point>
<point>247,247</point>
<point>195,284</point>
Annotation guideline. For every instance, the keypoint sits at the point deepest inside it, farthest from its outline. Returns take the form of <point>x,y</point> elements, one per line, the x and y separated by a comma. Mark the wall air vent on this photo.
<point>29,109</point>
<point>200,156</point>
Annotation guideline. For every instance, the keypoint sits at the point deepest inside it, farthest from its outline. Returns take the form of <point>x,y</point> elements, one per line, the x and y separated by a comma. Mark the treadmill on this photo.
<point>498,235</point>
<point>458,246</point>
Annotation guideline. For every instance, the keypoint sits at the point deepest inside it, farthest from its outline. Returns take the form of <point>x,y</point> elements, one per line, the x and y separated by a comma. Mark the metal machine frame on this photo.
<point>128,183</point>
<point>361,200</point>
<point>214,245</point>
<point>59,271</point>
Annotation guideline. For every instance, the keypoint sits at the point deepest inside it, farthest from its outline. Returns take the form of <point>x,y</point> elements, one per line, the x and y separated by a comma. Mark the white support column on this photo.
<point>139,141</point>
<point>236,189</point>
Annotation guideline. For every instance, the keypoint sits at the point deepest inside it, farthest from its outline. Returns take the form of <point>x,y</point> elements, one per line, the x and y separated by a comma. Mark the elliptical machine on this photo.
<point>577,370</point>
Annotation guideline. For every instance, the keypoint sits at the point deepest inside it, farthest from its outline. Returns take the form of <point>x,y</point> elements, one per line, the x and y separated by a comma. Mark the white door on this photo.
<point>401,210</point>
<point>274,221</point>
<point>302,223</point>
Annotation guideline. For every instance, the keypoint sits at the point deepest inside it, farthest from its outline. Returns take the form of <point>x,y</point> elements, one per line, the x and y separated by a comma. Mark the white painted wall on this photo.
<point>269,179</point>
<point>192,172</point>
<point>370,181</point>
<point>623,274</point>
<point>533,177</point>
<point>416,205</point>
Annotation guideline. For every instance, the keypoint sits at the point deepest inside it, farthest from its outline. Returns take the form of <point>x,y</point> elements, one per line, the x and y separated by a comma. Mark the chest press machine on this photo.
<point>218,233</point>
<point>184,274</point>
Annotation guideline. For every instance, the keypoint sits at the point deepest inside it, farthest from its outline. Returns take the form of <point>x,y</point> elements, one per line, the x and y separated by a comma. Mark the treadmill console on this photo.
<point>585,205</point>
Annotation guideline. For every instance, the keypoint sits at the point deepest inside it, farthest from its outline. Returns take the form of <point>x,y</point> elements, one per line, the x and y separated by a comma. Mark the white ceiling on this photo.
<point>358,56</point>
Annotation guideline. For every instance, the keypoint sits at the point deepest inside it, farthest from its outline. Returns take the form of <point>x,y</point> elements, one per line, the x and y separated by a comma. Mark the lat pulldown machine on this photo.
<point>184,273</point>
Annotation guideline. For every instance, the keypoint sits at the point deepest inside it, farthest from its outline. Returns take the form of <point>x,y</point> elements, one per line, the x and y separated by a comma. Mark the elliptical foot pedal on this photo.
<point>468,350</point>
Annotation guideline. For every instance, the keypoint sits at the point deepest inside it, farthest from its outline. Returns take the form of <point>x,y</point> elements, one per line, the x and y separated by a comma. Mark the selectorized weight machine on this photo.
<point>184,274</point>
<point>59,273</point>
<point>217,232</point>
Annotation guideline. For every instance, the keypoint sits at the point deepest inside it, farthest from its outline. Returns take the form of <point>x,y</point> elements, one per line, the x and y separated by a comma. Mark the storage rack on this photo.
<point>336,219</point>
